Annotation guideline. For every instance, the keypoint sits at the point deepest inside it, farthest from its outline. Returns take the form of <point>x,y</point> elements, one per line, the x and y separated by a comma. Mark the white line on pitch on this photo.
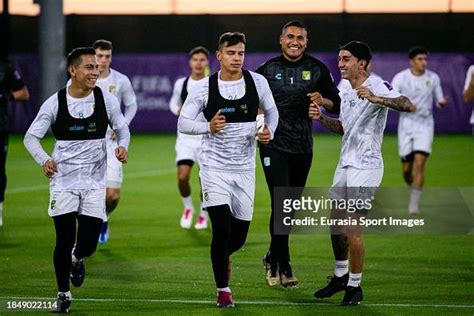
<point>134,175</point>
<point>171,301</point>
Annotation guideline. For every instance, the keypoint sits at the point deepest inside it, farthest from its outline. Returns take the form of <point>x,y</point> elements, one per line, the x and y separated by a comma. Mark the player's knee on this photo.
<point>113,198</point>
<point>183,177</point>
<point>89,251</point>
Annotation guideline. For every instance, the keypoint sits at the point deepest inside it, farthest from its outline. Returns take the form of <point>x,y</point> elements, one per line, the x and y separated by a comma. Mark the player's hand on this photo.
<point>50,168</point>
<point>121,154</point>
<point>264,135</point>
<point>365,93</point>
<point>443,102</point>
<point>113,136</point>
<point>217,122</point>
<point>314,111</point>
<point>316,98</point>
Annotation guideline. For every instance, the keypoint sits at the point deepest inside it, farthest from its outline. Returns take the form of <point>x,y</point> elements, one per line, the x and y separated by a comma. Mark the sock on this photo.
<point>188,202</point>
<point>414,199</point>
<point>224,289</point>
<point>341,267</point>
<point>354,279</point>
<point>203,213</point>
<point>1,213</point>
<point>68,294</point>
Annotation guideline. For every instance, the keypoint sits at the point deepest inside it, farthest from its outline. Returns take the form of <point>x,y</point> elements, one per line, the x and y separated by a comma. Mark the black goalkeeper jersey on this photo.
<point>290,83</point>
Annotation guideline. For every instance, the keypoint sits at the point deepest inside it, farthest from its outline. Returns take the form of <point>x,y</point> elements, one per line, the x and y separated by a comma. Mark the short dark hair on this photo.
<point>199,50</point>
<point>74,57</point>
<point>103,44</point>
<point>359,50</point>
<point>293,23</point>
<point>417,50</point>
<point>230,39</point>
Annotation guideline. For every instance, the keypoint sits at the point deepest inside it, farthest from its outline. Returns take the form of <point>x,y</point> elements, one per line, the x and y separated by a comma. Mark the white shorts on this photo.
<point>188,147</point>
<point>114,174</point>
<point>234,189</point>
<point>84,202</point>
<point>365,181</point>
<point>409,141</point>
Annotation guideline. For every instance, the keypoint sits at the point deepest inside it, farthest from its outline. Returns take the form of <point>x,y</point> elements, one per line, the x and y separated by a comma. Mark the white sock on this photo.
<point>341,267</point>
<point>354,279</point>
<point>68,294</point>
<point>224,289</point>
<point>1,213</point>
<point>73,256</point>
<point>188,202</point>
<point>414,199</point>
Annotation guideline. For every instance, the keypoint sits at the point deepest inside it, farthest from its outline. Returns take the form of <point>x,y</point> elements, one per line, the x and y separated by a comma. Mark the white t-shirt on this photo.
<point>175,105</point>
<point>363,124</point>
<point>420,90</point>
<point>344,84</point>
<point>81,163</point>
<point>233,148</point>
<point>467,82</point>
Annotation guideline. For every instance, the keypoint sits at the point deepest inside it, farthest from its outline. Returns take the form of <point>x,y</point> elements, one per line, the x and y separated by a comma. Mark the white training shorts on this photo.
<point>234,189</point>
<point>84,202</point>
<point>114,173</point>
<point>350,182</point>
<point>188,147</point>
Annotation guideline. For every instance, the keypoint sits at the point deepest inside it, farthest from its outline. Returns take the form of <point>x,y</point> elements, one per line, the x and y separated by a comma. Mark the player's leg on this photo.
<point>114,176</point>
<point>356,179</point>
<point>339,242</point>
<point>405,151</point>
<point>422,145</point>
<point>407,168</point>
<point>90,217</point>
<point>276,169</point>
<point>184,175</point>
<point>63,208</point>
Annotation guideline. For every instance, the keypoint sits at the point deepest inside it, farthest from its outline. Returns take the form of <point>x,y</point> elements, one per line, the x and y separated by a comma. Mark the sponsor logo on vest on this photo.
<point>76,128</point>
<point>244,108</point>
<point>306,75</point>
<point>278,76</point>
<point>352,103</point>
<point>92,127</point>
<point>227,110</point>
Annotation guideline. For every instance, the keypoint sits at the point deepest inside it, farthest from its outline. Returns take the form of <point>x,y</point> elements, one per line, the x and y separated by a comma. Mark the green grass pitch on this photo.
<point>151,265</point>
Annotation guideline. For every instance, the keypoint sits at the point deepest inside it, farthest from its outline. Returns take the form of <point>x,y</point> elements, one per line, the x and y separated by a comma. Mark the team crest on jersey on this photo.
<point>206,196</point>
<point>244,108</point>
<point>92,127</point>
<point>266,161</point>
<point>428,83</point>
<point>112,88</point>
<point>306,75</point>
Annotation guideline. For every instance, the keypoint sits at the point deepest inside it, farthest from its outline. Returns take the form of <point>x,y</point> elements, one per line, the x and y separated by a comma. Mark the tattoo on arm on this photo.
<point>402,103</point>
<point>333,125</point>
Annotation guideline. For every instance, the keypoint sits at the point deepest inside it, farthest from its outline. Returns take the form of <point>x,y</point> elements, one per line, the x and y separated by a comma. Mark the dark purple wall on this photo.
<point>153,77</point>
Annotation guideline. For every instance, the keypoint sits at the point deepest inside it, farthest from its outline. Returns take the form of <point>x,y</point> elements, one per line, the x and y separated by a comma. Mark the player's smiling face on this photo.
<point>86,73</point>
<point>104,59</point>
<point>231,58</point>
<point>349,65</point>
<point>198,63</point>
<point>293,41</point>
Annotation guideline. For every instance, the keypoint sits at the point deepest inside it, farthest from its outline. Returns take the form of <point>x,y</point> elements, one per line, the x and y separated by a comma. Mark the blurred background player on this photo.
<point>363,116</point>
<point>229,100</point>
<point>188,147</point>
<point>468,92</point>
<point>79,116</point>
<point>296,79</point>
<point>12,87</point>
<point>119,85</point>
<point>416,130</point>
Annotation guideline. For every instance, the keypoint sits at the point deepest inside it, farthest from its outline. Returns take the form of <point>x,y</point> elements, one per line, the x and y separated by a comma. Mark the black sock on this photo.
<point>65,226</point>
